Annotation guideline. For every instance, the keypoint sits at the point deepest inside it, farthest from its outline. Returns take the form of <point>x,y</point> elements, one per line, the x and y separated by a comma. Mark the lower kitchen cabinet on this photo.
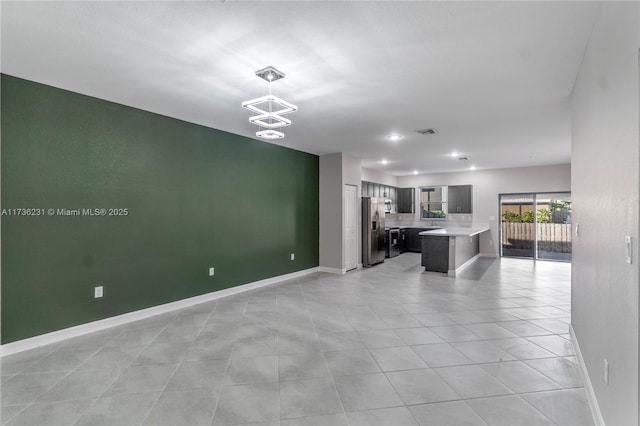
<point>414,240</point>
<point>403,240</point>
<point>413,243</point>
<point>411,240</point>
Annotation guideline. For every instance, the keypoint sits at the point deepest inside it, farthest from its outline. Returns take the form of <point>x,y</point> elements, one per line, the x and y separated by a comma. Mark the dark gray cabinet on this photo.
<point>365,189</point>
<point>401,198</point>
<point>460,199</point>
<point>413,244</point>
<point>377,190</point>
<point>405,199</point>
<point>403,240</point>
<point>414,239</point>
<point>435,253</point>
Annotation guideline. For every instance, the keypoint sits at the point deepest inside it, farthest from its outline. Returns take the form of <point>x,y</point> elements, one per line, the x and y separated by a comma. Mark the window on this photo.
<point>433,202</point>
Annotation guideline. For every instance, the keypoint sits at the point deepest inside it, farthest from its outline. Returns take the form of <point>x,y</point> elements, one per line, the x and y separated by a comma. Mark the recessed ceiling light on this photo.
<point>384,162</point>
<point>415,172</point>
<point>394,137</point>
<point>454,154</point>
<point>472,168</point>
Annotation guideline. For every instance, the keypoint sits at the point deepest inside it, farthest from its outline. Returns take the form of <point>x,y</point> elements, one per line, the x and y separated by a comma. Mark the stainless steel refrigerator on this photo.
<point>373,249</point>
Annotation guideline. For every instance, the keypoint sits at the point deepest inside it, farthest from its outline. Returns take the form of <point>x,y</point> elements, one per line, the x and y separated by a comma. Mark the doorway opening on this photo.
<point>536,225</point>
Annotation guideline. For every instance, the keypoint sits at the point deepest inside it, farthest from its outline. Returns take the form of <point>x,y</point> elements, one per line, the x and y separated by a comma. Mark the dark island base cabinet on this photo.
<point>414,239</point>
<point>435,253</point>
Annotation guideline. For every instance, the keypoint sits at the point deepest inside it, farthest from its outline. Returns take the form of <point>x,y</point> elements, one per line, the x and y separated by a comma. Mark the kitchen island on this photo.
<point>410,239</point>
<point>451,249</point>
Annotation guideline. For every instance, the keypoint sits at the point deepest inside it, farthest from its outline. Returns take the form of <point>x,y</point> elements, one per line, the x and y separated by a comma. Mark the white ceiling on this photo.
<point>493,77</point>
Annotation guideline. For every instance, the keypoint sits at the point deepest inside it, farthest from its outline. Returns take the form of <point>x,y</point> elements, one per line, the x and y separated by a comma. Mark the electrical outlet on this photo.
<point>97,292</point>
<point>492,218</point>
<point>212,271</point>
<point>293,256</point>
<point>606,371</point>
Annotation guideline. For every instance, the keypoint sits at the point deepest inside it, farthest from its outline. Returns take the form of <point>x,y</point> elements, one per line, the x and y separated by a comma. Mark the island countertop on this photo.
<point>457,231</point>
<point>417,226</point>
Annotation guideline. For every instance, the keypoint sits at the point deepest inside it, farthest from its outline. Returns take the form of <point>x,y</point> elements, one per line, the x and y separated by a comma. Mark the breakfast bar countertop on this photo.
<point>457,231</point>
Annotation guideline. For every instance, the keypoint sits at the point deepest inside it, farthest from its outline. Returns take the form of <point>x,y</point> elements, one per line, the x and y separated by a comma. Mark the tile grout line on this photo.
<point>324,357</point>
<point>178,365</point>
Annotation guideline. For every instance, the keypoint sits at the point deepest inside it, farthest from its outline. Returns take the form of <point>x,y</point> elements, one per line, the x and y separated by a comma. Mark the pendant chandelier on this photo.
<point>269,108</point>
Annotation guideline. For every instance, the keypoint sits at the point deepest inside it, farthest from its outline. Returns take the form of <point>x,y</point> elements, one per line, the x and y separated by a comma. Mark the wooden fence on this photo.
<point>552,237</point>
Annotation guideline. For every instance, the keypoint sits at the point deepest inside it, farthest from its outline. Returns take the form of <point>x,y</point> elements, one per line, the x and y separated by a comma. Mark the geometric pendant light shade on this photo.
<point>269,108</point>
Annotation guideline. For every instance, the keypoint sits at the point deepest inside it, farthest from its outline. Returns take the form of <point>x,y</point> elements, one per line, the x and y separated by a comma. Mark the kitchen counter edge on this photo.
<point>456,231</point>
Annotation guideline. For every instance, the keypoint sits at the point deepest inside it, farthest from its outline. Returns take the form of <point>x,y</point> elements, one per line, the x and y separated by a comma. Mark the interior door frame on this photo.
<point>356,240</point>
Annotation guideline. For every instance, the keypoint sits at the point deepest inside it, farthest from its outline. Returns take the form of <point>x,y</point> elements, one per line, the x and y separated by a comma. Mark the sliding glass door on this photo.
<point>517,231</point>
<point>536,225</point>
<point>553,226</point>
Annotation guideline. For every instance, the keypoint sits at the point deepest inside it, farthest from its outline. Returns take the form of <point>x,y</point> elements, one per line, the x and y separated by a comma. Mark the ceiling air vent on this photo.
<point>430,131</point>
<point>463,158</point>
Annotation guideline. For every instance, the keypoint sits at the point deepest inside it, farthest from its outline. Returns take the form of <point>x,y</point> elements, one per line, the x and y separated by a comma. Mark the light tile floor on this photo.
<point>390,345</point>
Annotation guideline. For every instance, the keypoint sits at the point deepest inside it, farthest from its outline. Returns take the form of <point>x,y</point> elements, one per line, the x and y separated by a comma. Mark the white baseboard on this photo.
<point>332,270</point>
<point>588,387</point>
<point>453,273</point>
<point>488,255</point>
<point>91,327</point>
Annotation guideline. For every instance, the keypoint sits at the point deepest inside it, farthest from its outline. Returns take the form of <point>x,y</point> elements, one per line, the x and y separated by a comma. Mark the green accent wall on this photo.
<point>197,197</point>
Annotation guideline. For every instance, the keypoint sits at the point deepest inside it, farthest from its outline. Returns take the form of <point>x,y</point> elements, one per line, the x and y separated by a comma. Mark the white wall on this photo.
<point>336,171</point>
<point>351,171</point>
<point>331,194</point>
<point>487,184</point>
<point>605,174</point>
<point>370,175</point>
<point>352,175</point>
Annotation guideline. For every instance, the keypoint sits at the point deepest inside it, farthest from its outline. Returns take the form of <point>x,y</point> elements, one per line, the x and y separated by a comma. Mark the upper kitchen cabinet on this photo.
<point>405,199</point>
<point>377,190</point>
<point>460,199</point>
<point>386,192</point>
